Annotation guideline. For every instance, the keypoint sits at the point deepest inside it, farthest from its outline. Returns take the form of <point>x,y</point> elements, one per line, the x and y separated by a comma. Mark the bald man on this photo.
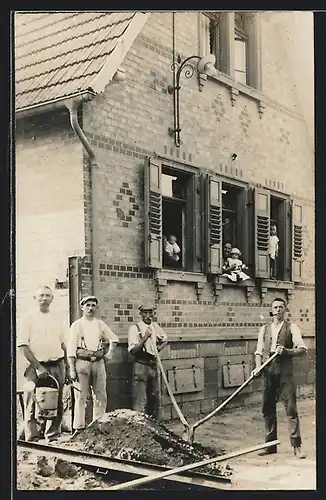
<point>41,341</point>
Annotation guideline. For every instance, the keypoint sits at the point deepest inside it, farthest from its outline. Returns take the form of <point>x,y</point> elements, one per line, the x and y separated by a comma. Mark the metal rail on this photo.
<point>126,467</point>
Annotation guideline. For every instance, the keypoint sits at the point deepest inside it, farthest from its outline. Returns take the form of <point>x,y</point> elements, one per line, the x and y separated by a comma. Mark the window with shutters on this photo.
<point>227,221</point>
<point>276,210</point>
<point>173,222</point>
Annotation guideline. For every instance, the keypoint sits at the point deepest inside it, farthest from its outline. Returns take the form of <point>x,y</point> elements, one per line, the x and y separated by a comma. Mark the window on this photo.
<point>226,215</point>
<point>274,209</point>
<point>203,212</point>
<point>174,217</point>
<point>215,37</point>
<point>240,49</point>
<point>173,222</point>
<point>234,39</point>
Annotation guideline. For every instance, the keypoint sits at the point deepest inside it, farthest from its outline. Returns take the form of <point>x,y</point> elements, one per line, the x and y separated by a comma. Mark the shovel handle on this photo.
<point>207,417</point>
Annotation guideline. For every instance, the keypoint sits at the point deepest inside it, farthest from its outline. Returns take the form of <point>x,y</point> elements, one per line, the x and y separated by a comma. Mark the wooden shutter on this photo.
<point>262,232</point>
<point>213,225</point>
<point>297,241</point>
<point>153,213</point>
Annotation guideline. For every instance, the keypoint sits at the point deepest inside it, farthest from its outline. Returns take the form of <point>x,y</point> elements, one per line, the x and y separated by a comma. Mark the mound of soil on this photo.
<point>132,435</point>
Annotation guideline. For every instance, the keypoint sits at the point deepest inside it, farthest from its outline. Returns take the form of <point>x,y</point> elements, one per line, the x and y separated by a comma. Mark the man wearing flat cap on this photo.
<point>145,339</point>
<point>90,339</point>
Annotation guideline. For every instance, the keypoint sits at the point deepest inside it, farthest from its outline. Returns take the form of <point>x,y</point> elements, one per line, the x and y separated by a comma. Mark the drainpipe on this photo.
<point>73,106</point>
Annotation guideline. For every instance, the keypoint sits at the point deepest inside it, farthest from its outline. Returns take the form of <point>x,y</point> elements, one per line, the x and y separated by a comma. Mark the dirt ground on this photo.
<point>244,427</point>
<point>231,430</point>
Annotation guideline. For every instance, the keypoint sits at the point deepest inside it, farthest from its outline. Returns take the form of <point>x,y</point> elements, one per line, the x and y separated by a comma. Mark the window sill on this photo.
<point>219,282</point>
<point>236,87</point>
<point>163,276</point>
<point>268,284</point>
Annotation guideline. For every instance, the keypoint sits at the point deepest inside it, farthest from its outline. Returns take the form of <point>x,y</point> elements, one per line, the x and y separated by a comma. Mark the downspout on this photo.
<point>73,106</point>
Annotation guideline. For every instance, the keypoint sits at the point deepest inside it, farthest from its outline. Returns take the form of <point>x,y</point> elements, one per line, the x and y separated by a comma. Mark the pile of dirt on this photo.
<point>132,435</point>
<point>123,433</point>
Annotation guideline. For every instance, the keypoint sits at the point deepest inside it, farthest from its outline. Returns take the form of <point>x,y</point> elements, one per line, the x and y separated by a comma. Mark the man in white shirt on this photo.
<point>41,341</point>
<point>284,338</point>
<point>144,340</point>
<point>89,341</point>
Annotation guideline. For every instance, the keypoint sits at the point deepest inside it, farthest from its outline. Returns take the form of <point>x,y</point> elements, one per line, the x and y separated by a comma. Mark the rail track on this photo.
<point>118,468</point>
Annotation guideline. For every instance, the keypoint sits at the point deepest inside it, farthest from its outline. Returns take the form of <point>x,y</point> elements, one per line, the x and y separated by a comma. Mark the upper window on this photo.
<point>240,49</point>
<point>235,41</point>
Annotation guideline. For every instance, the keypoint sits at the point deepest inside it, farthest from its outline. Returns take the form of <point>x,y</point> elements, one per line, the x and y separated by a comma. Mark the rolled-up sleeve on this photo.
<point>161,336</point>
<point>133,338</point>
<point>297,339</point>
<point>260,342</point>
<point>107,334</point>
<point>72,338</point>
<point>24,333</point>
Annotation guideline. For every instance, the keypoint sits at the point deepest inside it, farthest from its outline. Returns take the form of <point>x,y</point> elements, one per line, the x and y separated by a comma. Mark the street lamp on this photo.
<point>205,65</point>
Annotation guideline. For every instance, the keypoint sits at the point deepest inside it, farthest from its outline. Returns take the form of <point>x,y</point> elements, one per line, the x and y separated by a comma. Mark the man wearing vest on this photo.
<point>144,340</point>
<point>90,339</point>
<point>284,338</point>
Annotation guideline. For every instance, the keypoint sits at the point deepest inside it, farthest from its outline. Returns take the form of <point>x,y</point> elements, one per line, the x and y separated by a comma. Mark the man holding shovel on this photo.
<point>142,338</point>
<point>284,338</point>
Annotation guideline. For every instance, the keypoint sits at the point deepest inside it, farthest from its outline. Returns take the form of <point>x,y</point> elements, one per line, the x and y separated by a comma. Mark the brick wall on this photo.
<point>49,208</point>
<point>130,121</point>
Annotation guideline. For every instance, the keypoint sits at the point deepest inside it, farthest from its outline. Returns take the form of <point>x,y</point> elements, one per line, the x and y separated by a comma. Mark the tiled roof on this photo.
<point>59,54</point>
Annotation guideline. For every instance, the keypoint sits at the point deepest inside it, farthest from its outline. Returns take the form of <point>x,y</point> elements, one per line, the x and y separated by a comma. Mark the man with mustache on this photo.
<point>284,338</point>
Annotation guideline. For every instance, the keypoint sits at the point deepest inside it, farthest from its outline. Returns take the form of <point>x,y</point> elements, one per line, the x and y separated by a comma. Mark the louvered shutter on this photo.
<point>297,241</point>
<point>214,225</point>
<point>153,213</point>
<point>262,232</point>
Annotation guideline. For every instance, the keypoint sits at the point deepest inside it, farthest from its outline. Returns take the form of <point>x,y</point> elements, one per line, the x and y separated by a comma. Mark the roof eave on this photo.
<point>60,102</point>
<point>114,60</point>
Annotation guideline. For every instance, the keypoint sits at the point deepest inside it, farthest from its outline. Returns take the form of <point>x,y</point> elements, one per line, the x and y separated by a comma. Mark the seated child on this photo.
<point>234,267</point>
<point>171,247</point>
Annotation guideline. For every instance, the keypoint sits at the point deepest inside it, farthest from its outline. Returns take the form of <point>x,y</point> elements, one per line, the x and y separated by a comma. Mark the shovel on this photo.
<point>191,430</point>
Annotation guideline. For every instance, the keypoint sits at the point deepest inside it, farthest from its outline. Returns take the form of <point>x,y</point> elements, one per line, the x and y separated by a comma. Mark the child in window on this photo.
<point>234,267</point>
<point>171,247</point>
<point>273,251</point>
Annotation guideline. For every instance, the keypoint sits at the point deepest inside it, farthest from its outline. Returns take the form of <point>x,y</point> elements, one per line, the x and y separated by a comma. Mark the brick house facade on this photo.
<point>103,210</point>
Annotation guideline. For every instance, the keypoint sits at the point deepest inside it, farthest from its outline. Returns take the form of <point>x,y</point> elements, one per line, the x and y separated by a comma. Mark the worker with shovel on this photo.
<point>144,338</point>
<point>41,341</point>
<point>285,339</point>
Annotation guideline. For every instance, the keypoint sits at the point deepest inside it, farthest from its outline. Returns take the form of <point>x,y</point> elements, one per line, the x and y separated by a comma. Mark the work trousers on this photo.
<point>280,386</point>
<point>51,427</point>
<point>144,388</point>
<point>91,374</point>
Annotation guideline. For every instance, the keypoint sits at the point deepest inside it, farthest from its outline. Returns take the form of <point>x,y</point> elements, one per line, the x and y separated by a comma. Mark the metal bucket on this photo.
<point>46,398</point>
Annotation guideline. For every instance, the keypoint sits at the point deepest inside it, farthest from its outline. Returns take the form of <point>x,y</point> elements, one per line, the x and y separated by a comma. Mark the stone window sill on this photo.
<point>219,282</point>
<point>236,87</point>
<point>267,284</point>
<point>163,276</point>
